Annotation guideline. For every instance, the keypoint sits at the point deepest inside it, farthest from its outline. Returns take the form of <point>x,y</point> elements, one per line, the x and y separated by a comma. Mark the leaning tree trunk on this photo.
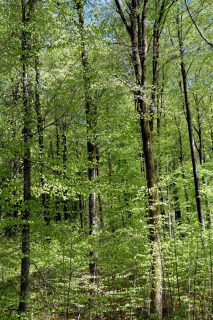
<point>201,150</point>
<point>190,126</point>
<point>27,7</point>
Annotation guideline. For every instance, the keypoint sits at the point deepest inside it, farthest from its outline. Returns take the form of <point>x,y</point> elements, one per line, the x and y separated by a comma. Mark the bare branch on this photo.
<point>195,24</point>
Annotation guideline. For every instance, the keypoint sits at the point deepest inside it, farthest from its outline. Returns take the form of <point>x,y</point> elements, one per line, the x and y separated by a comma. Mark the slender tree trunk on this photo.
<point>64,159</point>
<point>100,200</point>
<point>181,155</point>
<point>91,120</point>
<point>11,229</point>
<point>176,200</point>
<point>159,164</point>
<point>156,284</point>
<point>155,57</point>
<point>161,9</point>
<point>200,136</point>
<point>101,211</point>
<point>58,147</point>
<point>91,123</point>
<point>190,126</point>
<point>138,35</point>
<point>27,8</point>
<point>80,195</point>
<point>201,151</point>
<point>81,209</point>
<point>40,139</point>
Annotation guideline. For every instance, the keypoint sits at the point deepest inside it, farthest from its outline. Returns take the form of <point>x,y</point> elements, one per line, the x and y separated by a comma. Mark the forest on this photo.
<point>106,160</point>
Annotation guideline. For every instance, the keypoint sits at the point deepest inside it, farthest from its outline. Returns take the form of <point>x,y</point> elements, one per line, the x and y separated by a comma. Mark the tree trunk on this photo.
<point>40,140</point>
<point>27,7</point>
<point>154,219</point>
<point>181,160</point>
<point>57,159</point>
<point>64,160</point>
<point>91,120</point>
<point>190,126</point>
<point>91,124</point>
<point>12,228</point>
<point>138,35</point>
<point>81,209</point>
<point>100,200</point>
<point>201,152</point>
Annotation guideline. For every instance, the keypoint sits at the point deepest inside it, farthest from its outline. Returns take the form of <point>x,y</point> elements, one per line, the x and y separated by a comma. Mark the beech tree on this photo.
<point>137,30</point>
<point>105,160</point>
<point>92,149</point>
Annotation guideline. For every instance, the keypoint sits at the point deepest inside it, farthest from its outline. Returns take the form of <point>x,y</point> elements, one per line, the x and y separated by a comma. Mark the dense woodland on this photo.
<point>106,159</point>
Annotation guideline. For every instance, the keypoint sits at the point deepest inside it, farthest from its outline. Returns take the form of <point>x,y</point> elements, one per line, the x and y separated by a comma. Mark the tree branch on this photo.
<point>195,24</point>
<point>51,123</point>
<point>120,11</point>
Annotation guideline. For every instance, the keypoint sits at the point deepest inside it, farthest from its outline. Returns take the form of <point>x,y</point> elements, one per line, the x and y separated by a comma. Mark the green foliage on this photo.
<point>61,285</point>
